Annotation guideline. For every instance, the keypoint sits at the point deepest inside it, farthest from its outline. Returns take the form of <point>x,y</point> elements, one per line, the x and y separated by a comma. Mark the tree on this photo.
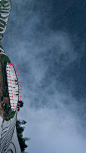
<point>19,134</point>
<point>21,122</point>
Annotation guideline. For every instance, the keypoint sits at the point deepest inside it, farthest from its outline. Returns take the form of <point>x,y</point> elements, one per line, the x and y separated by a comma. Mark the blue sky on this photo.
<point>46,41</point>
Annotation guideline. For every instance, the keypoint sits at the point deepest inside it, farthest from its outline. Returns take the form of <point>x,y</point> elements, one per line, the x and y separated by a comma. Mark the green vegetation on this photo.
<point>6,107</point>
<point>2,4</point>
<point>4,60</point>
<point>11,115</point>
<point>20,130</point>
<point>8,110</point>
<point>1,98</point>
<point>20,136</point>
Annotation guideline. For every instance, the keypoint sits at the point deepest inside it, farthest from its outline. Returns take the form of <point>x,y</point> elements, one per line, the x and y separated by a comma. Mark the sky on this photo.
<point>46,40</point>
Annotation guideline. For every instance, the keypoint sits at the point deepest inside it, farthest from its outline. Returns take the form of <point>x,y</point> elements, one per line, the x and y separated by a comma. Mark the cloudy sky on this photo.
<point>46,40</point>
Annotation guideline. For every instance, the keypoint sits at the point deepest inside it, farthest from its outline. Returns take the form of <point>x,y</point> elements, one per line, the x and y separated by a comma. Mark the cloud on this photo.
<point>40,64</point>
<point>53,130</point>
<point>42,56</point>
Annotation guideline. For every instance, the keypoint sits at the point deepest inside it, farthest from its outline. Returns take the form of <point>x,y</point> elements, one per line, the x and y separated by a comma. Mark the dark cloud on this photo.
<point>45,44</point>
